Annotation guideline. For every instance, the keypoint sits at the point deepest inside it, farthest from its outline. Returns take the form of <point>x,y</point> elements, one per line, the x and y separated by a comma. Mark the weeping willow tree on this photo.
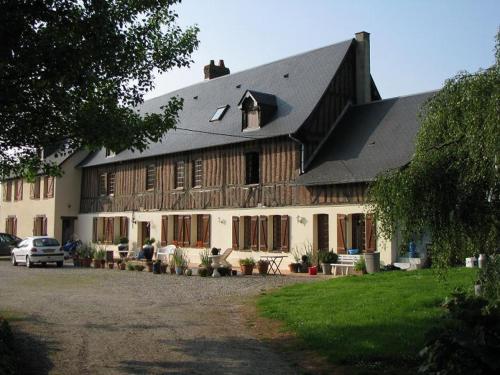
<point>450,189</point>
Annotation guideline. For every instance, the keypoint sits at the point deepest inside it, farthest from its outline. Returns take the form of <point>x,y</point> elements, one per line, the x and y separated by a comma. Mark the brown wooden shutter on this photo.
<point>94,229</point>
<point>370,237</point>
<point>236,232</point>
<point>263,233</point>
<point>285,233</point>
<point>44,226</point>
<point>180,230</point>
<point>50,187</point>
<point>187,230</point>
<point>341,240</point>
<point>14,225</point>
<point>124,226</point>
<point>164,230</point>
<point>206,230</point>
<point>7,222</point>
<point>5,192</point>
<point>32,190</point>
<point>34,227</point>
<point>254,233</point>
<point>19,190</point>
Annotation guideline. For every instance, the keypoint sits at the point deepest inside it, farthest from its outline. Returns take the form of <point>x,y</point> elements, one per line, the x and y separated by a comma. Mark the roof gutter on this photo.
<point>302,151</point>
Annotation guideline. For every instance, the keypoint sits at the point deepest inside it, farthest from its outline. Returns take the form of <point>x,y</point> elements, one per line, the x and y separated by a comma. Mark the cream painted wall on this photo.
<point>26,209</point>
<point>302,228</point>
<point>66,201</point>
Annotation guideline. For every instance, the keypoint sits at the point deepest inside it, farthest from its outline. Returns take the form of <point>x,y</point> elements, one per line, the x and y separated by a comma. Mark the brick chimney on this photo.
<point>363,78</point>
<point>213,71</point>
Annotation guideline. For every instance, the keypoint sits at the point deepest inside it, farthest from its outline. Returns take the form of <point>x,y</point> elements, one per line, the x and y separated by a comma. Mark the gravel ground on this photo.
<point>86,321</point>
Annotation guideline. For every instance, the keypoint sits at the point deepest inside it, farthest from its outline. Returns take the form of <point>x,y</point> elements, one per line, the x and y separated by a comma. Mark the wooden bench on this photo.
<point>344,262</point>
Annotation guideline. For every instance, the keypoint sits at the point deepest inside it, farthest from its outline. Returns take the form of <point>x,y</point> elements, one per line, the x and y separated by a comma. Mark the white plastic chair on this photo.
<point>165,252</point>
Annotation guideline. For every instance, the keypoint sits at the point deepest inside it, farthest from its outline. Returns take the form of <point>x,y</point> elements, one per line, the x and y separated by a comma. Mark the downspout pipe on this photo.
<point>302,151</point>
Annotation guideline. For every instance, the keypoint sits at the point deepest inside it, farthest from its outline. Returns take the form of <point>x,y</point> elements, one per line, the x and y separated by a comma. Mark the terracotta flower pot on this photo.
<point>111,265</point>
<point>97,263</point>
<point>149,266</point>
<point>122,266</point>
<point>246,269</point>
<point>263,268</point>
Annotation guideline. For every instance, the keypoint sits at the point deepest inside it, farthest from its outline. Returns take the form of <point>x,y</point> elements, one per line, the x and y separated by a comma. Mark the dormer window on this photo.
<point>219,113</point>
<point>109,153</point>
<point>257,109</point>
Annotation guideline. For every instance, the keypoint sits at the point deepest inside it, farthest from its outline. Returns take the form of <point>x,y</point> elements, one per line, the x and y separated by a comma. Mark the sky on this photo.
<point>415,44</point>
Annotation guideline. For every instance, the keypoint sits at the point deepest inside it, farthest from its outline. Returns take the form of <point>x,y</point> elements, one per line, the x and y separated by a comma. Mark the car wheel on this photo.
<point>60,264</point>
<point>44,264</point>
<point>28,262</point>
<point>13,259</point>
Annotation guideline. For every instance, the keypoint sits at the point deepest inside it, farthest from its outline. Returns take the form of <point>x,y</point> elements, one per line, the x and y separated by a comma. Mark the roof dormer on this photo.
<point>257,109</point>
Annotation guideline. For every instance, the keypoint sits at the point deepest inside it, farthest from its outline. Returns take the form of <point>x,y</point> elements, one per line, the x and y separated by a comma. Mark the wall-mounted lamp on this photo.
<point>221,221</point>
<point>133,218</point>
<point>301,219</point>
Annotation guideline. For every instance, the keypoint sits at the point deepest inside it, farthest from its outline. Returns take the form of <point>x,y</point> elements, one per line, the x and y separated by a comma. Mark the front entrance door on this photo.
<point>358,231</point>
<point>68,229</point>
<point>144,232</point>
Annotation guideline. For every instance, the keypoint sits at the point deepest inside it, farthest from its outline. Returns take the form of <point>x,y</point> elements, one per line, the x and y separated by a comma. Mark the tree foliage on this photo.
<point>451,187</point>
<point>76,70</point>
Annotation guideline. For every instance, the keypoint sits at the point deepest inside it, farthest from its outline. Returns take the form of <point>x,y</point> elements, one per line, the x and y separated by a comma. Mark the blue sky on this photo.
<point>415,44</point>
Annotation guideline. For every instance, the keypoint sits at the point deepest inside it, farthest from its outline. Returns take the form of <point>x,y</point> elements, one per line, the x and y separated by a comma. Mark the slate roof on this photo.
<point>369,139</point>
<point>297,82</point>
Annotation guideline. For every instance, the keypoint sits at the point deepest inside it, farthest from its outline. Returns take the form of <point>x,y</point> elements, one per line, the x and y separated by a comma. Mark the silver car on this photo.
<point>41,250</point>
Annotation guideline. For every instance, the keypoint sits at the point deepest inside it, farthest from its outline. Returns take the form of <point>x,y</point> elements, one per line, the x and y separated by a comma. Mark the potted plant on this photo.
<point>305,264</point>
<point>76,259</point>
<point>263,266</point>
<point>111,265</point>
<point>179,261</point>
<point>247,266</point>
<point>85,253</point>
<point>360,266</point>
<point>99,258</point>
<point>205,263</point>
<point>326,259</point>
<point>148,248</point>
<point>120,264</point>
<point>157,267</point>
<point>163,267</point>
<point>139,267</point>
<point>149,265</point>
<point>130,266</point>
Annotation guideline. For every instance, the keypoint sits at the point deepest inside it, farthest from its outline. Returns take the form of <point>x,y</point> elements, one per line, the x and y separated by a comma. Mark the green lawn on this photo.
<point>378,319</point>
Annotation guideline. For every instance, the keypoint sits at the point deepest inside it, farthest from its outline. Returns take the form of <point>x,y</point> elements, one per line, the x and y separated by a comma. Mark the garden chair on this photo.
<point>224,256</point>
<point>166,252</point>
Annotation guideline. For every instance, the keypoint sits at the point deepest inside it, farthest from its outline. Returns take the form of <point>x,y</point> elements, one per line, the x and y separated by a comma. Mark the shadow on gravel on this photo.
<point>208,356</point>
<point>33,354</point>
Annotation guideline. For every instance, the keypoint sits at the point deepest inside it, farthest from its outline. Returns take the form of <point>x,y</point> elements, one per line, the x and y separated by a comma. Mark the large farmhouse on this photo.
<point>271,159</point>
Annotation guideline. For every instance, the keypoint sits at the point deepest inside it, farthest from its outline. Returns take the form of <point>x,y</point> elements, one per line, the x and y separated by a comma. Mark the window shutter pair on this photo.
<point>164,230</point>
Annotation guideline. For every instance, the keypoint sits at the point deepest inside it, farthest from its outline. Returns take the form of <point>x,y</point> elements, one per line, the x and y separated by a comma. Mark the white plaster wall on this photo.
<point>301,231</point>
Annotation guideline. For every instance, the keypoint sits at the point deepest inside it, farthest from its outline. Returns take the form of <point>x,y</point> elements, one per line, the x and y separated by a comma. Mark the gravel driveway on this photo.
<point>86,321</point>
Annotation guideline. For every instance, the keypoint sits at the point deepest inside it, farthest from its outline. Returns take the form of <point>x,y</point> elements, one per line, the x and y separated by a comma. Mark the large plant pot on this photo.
<point>148,251</point>
<point>156,268</point>
<point>246,269</point>
<point>86,262</point>
<point>313,271</point>
<point>327,268</point>
<point>122,266</point>
<point>372,261</point>
<point>111,265</point>
<point>149,266</point>
<point>97,263</point>
<point>263,268</point>
<point>178,270</point>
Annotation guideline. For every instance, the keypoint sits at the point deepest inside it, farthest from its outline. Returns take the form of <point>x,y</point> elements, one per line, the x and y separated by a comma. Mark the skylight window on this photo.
<point>219,113</point>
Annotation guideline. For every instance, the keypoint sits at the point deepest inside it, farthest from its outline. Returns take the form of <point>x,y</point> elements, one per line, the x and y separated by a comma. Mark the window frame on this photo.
<point>180,175</point>
<point>252,177</point>
<point>197,173</point>
<point>150,177</point>
<point>223,109</point>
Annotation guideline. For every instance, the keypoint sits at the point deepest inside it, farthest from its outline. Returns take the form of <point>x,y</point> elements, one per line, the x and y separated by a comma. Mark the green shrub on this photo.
<point>247,262</point>
<point>360,264</point>
<point>468,342</point>
<point>130,267</point>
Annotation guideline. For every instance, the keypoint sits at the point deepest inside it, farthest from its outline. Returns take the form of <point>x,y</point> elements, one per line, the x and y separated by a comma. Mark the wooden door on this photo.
<point>322,228</point>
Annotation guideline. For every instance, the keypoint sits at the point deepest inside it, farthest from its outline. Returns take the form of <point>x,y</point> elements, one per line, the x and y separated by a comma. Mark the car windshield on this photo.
<point>41,242</point>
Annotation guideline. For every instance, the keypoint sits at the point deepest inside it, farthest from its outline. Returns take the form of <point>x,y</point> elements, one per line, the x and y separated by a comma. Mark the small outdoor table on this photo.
<point>274,263</point>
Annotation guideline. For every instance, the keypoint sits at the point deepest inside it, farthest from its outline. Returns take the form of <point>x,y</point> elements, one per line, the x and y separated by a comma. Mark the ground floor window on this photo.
<point>355,231</point>
<point>109,230</point>
<point>186,230</point>
<point>40,225</point>
<point>11,225</point>
<point>265,233</point>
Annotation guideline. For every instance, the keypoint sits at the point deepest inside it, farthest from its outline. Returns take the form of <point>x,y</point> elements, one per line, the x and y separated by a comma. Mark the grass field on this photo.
<point>374,320</point>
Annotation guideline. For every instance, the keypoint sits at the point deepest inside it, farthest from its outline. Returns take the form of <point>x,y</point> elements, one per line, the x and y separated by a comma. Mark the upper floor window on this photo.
<point>257,109</point>
<point>219,113</point>
<point>35,188</point>
<point>111,183</point>
<point>179,175</point>
<point>252,165</point>
<point>18,190</point>
<point>103,184</point>
<point>7,191</point>
<point>48,187</point>
<point>109,153</point>
<point>197,172</point>
<point>150,176</point>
